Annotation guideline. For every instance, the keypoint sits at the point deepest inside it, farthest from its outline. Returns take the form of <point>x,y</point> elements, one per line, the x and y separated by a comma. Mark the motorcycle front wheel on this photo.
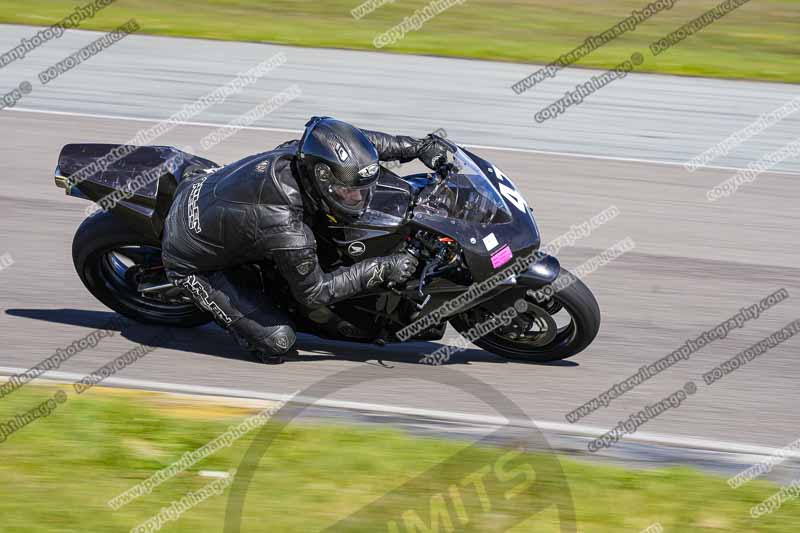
<point>556,328</point>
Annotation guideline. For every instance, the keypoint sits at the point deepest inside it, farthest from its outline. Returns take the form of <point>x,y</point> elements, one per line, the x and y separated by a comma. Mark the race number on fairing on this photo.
<point>509,191</point>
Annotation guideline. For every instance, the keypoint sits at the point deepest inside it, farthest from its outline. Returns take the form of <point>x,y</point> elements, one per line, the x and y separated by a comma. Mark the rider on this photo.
<point>260,208</point>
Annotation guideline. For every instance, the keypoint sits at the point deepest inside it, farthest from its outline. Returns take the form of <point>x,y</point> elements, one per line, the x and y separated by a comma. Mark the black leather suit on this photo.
<point>250,211</point>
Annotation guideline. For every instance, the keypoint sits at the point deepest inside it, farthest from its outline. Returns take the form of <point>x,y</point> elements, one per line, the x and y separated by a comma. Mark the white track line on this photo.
<point>478,146</point>
<point>144,119</point>
<point>484,420</point>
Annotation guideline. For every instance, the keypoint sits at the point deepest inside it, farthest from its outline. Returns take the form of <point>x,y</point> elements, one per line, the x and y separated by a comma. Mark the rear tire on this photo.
<point>575,298</point>
<point>98,242</point>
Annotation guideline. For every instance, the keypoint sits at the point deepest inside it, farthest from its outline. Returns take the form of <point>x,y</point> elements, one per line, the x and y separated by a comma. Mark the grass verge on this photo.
<point>59,472</point>
<point>756,41</point>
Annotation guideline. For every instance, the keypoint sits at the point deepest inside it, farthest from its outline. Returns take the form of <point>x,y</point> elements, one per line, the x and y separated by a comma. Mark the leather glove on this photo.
<point>434,151</point>
<point>400,267</point>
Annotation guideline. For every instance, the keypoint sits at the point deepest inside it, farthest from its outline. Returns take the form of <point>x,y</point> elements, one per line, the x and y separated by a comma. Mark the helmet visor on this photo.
<point>352,200</point>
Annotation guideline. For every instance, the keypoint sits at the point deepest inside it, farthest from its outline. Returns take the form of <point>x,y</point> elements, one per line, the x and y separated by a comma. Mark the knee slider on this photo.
<point>280,340</point>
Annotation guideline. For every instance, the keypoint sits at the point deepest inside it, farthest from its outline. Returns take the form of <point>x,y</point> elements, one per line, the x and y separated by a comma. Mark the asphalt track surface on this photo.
<point>694,265</point>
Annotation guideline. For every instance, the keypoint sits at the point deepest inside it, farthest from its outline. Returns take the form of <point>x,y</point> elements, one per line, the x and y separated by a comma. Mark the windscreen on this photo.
<point>466,195</point>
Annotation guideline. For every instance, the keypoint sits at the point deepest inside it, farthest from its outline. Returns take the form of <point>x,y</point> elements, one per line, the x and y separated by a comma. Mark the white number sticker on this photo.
<point>509,191</point>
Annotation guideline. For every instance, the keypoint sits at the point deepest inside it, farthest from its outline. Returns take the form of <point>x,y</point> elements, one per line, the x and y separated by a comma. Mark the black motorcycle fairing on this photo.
<point>542,272</point>
<point>487,247</point>
<point>483,259</point>
<point>147,206</point>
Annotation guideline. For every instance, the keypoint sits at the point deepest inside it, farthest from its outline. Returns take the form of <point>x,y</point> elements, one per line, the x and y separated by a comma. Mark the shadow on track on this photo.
<point>212,340</point>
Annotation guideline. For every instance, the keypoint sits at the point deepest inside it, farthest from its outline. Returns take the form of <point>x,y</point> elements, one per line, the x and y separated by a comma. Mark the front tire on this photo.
<point>107,254</point>
<point>551,342</point>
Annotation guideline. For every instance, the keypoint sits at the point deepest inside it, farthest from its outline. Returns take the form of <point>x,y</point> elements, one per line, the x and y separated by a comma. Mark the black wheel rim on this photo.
<point>113,269</point>
<point>547,340</point>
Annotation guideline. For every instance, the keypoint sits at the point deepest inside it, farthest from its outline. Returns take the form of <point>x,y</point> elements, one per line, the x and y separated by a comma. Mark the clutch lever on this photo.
<point>442,173</point>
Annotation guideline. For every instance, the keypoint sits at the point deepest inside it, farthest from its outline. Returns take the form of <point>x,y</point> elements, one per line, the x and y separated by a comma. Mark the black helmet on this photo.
<point>339,166</point>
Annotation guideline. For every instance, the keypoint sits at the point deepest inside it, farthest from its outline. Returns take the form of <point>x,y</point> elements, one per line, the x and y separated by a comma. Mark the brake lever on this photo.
<point>413,250</point>
<point>427,268</point>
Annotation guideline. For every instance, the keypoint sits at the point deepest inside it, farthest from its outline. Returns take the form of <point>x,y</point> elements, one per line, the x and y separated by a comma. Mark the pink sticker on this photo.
<point>501,257</point>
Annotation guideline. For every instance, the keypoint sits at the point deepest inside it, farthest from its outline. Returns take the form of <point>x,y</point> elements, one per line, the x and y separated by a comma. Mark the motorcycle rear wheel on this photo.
<point>550,342</point>
<point>107,254</point>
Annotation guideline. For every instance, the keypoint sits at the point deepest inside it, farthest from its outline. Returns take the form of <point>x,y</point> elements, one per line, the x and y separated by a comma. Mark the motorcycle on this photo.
<point>466,223</point>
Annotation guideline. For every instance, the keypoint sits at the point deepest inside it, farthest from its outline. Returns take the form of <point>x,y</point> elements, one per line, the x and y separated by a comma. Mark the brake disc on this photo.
<point>519,330</point>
